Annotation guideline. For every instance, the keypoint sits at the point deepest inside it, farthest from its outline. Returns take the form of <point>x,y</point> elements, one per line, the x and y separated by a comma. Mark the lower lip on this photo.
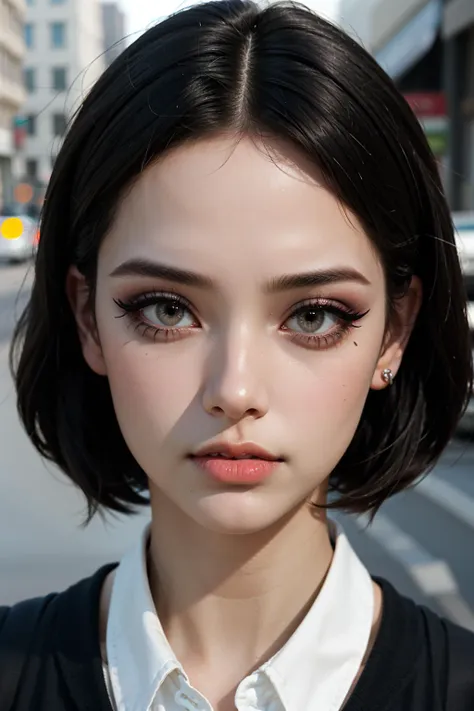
<point>237,471</point>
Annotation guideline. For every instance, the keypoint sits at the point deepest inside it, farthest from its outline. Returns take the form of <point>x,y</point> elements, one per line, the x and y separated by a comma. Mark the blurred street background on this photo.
<point>51,53</point>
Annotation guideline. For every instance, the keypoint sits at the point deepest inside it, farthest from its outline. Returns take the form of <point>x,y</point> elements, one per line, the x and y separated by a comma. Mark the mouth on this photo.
<point>236,464</point>
<point>222,455</point>
<point>225,450</point>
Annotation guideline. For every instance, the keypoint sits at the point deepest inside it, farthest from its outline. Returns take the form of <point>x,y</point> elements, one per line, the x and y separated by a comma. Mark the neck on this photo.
<point>247,593</point>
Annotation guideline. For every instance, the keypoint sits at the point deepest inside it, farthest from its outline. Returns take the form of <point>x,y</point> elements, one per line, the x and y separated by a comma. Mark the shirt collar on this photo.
<point>314,669</point>
<point>139,655</point>
<point>317,666</point>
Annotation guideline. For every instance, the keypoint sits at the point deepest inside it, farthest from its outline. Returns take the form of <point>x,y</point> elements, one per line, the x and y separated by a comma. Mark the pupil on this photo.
<point>170,313</point>
<point>171,309</point>
<point>311,320</point>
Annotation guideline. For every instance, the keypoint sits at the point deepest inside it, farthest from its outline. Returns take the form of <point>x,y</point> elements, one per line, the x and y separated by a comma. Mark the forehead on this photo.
<point>219,202</point>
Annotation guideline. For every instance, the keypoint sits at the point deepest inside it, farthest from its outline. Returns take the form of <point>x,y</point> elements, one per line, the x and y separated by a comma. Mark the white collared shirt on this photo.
<point>313,671</point>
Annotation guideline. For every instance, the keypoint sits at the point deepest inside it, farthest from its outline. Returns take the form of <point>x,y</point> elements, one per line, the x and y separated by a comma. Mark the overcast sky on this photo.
<point>143,13</point>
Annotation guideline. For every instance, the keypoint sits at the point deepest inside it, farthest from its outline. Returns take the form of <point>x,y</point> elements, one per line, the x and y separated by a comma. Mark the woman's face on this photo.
<point>259,320</point>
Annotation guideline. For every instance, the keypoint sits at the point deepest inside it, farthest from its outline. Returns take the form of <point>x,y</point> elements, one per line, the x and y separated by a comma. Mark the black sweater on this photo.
<point>419,662</point>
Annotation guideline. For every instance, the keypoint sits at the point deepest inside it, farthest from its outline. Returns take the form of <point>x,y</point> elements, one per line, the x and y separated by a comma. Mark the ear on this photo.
<point>77,293</point>
<point>398,334</point>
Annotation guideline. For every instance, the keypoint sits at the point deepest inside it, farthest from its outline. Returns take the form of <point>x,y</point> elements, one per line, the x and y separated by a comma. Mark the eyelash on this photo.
<point>347,319</point>
<point>346,316</point>
<point>135,306</point>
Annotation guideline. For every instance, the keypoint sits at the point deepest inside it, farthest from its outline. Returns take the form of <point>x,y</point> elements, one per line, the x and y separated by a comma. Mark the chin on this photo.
<point>239,512</point>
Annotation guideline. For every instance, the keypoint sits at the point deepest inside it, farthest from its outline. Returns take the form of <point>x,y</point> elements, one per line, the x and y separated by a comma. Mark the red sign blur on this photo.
<point>19,137</point>
<point>23,193</point>
<point>427,104</point>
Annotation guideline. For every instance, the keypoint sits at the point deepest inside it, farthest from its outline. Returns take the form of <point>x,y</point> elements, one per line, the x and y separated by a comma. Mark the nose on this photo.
<point>235,387</point>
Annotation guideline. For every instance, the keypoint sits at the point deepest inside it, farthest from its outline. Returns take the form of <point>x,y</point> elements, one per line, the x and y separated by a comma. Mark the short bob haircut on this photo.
<point>277,72</point>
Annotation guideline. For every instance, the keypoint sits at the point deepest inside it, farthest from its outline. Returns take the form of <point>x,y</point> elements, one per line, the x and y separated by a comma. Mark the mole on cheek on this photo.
<point>356,344</point>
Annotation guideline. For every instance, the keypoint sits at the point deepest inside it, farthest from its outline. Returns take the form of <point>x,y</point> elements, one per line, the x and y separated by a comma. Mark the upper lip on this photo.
<point>235,450</point>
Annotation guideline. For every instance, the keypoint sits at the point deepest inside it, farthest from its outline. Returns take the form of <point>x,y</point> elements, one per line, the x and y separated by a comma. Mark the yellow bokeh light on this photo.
<point>11,228</point>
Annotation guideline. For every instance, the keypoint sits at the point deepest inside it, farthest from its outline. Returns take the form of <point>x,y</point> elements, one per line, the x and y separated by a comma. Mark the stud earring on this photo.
<point>387,376</point>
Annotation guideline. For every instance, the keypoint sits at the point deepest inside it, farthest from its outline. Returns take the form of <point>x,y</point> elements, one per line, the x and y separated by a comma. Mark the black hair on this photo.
<point>278,73</point>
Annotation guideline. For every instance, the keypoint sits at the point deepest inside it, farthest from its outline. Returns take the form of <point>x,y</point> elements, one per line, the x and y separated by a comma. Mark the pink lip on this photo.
<point>236,471</point>
<point>235,450</point>
<point>245,463</point>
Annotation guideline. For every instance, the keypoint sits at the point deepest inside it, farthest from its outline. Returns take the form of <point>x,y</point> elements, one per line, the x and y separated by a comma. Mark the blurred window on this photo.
<point>59,78</point>
<point>58,34</point>
<point>57,2</point>
<point>31,125</point>
<point>59,124</point>
<point>30,80</point>
<point>32,168</point>
<point>29,34</point>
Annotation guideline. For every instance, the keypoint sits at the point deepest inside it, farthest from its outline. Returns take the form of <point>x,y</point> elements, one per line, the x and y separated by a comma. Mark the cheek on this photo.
<point>328,392</point>
<point>150,391</point>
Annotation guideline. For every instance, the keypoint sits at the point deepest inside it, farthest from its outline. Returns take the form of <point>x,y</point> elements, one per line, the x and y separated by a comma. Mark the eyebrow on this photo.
<point>147,268</point>
<point>322,277</point>
<point>285,282</point>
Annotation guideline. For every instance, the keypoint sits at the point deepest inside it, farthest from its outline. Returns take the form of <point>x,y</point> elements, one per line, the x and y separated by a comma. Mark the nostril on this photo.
<point>217,411</point>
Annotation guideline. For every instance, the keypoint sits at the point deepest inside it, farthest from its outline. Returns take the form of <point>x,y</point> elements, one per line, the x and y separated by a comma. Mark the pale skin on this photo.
<point>238,563</point>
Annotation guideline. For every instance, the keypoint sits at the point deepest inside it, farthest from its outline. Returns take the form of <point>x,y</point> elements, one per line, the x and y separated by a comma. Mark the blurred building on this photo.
<point>12,93</point>
<point>458,36</point>
<point>64,40</point>
<point>356,17</point>
<point>405,38</point>
<point>427,47</point>
<point>113,22</point>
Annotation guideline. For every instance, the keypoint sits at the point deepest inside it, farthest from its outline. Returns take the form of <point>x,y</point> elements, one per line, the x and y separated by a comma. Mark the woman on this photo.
<point>247,304</point>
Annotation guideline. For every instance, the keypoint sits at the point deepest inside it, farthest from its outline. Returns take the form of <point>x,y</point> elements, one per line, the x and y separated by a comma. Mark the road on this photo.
<point>422,540</point>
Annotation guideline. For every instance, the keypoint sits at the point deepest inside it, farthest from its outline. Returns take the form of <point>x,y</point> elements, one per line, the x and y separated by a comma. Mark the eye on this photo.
<point>169,313</point>
<point>320,324</point>
<point>312,320</point>
<point>160,316</point>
